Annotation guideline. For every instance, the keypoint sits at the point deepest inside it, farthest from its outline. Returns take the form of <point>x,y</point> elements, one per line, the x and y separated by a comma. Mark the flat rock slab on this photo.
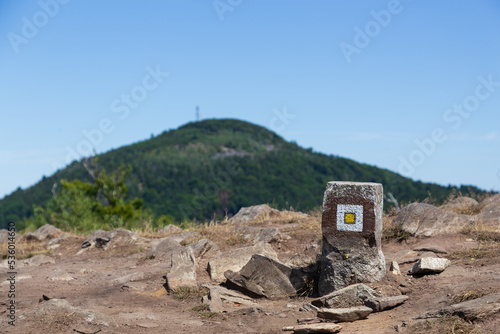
<point>204,247</point>
<point>352,295</point>
<point>428,265</point>
<point>314,328</point>
<point>385,303</point>
<point>480,308</point>
<point>349,314</point>
<point>220,299</point>
<point>235,259</point>
<point>267,277</point>
<point>183,271</point>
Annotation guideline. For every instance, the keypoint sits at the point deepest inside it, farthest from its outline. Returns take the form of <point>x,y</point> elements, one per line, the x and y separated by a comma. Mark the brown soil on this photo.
<point>144,306</point>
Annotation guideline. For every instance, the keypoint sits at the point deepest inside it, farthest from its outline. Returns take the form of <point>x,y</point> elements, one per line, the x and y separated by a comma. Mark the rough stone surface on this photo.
<point>481,308</point>
<point>44,233</point>
<point>429,265</point>
<point>204,247</point>
<point>300,261</point>
<point>259,234</point>
<point>103,239</point>
<point>323,327</point>
<point>163,250</point>
<point>235,259</point>
<point>183,271</point>
<point>345,314</point>
<point>385,303</point>
<point>170,229</point>
<point>490,212</point>
<point>4,236</point>
<point>424,220</point>
<point>267,277</point>
<point>352,230</point>
<point>461,205</point>
<point>185,238</point>
<point>353,295</point>
<point>38,260</point>
<point>221,299</point>
<point>252,213</point>
<point>61,308</point>
<point>394,268</point>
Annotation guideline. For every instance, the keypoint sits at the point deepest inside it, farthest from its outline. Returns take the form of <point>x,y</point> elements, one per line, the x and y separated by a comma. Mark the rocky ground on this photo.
<point>127,282</point>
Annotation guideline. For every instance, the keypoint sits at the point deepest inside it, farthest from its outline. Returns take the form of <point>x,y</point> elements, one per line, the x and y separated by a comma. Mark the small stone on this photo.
<point>429,265</point>
<point>395,268</point>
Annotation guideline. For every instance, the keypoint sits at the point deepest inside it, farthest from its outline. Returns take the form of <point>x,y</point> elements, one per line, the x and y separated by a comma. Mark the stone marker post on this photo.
<point>352,231</point>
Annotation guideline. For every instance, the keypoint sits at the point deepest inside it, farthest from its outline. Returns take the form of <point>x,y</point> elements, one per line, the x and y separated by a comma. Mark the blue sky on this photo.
<point>411,86</point>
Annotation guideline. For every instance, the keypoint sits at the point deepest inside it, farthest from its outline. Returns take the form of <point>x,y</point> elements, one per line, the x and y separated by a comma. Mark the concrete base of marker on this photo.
<point>352,231</point>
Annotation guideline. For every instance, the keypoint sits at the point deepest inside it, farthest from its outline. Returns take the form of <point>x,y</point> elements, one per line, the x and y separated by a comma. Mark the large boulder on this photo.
<point>44,233</point>
<point>254,213</point>
<point>183,270</point>
<point>353,295</point>
<point>235,259</point>
<point>163,249</point>
<point>490,211</point>
<point>424,220</point>
<point>267,277</point>
<point>462,205</point>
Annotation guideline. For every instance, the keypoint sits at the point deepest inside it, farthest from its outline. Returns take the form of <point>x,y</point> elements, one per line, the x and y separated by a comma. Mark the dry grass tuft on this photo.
<point>391,232</point>
<point>468,295</point>
<point>485,250</point>
<point>222,234</point>
<point>446,325</point>
<point>185,293</point>
<point>203,311</point>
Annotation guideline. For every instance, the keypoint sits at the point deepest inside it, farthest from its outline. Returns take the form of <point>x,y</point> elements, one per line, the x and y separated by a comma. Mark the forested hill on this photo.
<point>214,167</point>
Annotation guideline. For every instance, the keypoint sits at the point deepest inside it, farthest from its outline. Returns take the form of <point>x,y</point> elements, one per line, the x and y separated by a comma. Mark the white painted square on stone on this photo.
<point>357,210</point>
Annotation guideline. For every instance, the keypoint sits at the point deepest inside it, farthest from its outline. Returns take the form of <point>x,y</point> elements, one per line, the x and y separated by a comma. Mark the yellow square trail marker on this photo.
<point>349,218</point>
